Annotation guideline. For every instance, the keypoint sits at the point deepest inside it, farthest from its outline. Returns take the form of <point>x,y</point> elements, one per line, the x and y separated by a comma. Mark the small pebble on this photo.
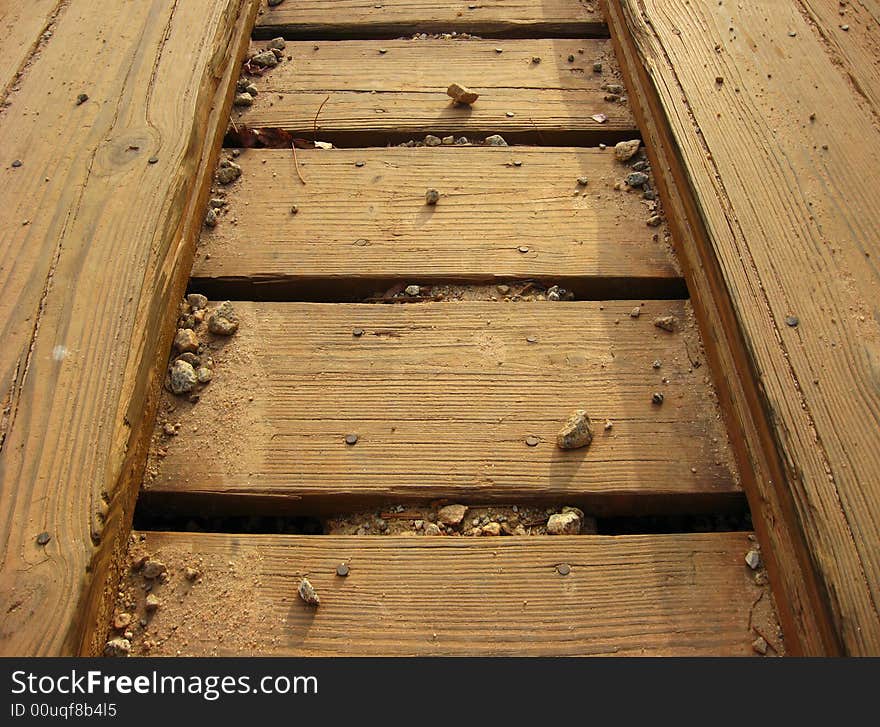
<point>753,559</point>
<point>294,209</point>
<point>583,181</point>
<point>635,312</point>
<point>792,321</point>
<point>153,160</point>
<point>17,163</point>
<point>432,197</point>
<point>412,290</point>
<point>43,538</point>
<point>626,150</point>
<point>759,646</point>
<point>576,432</point>
<point>357,332</point>
<point>461,94</point>
<point>308,593</point>
<point>657,398</point>
<point>152,603</point>
<point>597,67</point>
<point>81,99</point>
<point>666,323</point>
<point>496,140</point>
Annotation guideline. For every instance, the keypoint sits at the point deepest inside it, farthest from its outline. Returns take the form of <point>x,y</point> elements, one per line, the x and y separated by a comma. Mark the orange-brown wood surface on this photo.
<point>394,18</point>
<point>374,97</point>
<point>443,397</point>
<point>362,217</point>
<point>780,156</point>
<point>684,595</point>
<point>95,244</point>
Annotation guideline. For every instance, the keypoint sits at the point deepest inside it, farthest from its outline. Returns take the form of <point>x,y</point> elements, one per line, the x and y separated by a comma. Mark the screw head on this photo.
<point>351,439</point>
<point>563,569</point>
<point>532,441</point>
<point>342,570</point>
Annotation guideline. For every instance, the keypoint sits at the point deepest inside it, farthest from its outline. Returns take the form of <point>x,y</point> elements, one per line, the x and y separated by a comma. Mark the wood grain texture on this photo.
<point>803,615</point>
<point>420,596</point>
<point>854,50</point>
<point>310,19</point>
<point>790,205</point>
<point>401,94</point>
<point>442,398</point>
<point>21,28</point>
<point>371,222</point>
<point>95,244</point>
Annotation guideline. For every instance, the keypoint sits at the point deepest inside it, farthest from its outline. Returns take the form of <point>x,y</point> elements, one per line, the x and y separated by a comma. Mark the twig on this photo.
<point>317,113</point>
<point>296,164</point>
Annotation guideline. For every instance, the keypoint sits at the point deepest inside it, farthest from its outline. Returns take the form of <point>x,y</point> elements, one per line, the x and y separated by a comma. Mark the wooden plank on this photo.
<point>790,206</point>
<point>630,595</point>
<point>356,225</point>
<point>443,397</point>
<point>311,19</point>
<point>376,98</point>
<point>21,28</point>
<point>849,31</point>
<point>802,613</point>
<point>95,244</point>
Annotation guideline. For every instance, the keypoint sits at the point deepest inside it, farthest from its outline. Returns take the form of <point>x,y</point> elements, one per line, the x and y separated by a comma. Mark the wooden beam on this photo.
<point>530,91</point>
<point>444,398</point>
<point>456,596</point>
<point>362,223</point>
<point>797,263</point>
<point>310,19</point>
<point>97,232</point>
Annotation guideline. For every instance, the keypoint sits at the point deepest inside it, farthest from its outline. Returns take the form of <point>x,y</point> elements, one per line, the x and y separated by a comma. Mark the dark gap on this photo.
<point>195,512</point>
<point>406,30</point>
<point>738,521</point>
<point>146,519</point>
<point>366,138</point>
<point>347,290</point>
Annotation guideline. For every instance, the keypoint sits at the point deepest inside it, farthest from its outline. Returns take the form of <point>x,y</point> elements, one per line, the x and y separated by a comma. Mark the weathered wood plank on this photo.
<point>375,97</point>
<point>310,19</point>
<point>359,224</point>
<point>849,31</point>
<point>804,620</point>
<point>443,398</point>
<point>21,28</point>
<point>790,206</point>
<point>95,246</point>
<point>629,595</point>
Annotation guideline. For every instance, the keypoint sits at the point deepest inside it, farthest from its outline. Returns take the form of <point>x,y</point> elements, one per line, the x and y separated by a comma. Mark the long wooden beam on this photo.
<point>114,128</point>
<point>762,148</point>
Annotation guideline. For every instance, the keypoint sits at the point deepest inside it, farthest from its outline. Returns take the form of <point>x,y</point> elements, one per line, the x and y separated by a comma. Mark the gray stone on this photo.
<point>204,374</point>
<point>636,179</point>
<point>412,290</point>
<point>432,197</point>
<point>117,647</point>
<point>223,320</point>
<point>308,593</point>
<point>431,140</point>
<point>197,301</point>
<point>265,59</point>
<point>243,99</point>
<point>228,172</point>
<point>278,43</point>
<point>211,218</point>
<point>753,559</point>
<point>431,529</point>
<point>576,432</point>
<point>183,377</point>
<point>496,140</point>
<point>153,569</point>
